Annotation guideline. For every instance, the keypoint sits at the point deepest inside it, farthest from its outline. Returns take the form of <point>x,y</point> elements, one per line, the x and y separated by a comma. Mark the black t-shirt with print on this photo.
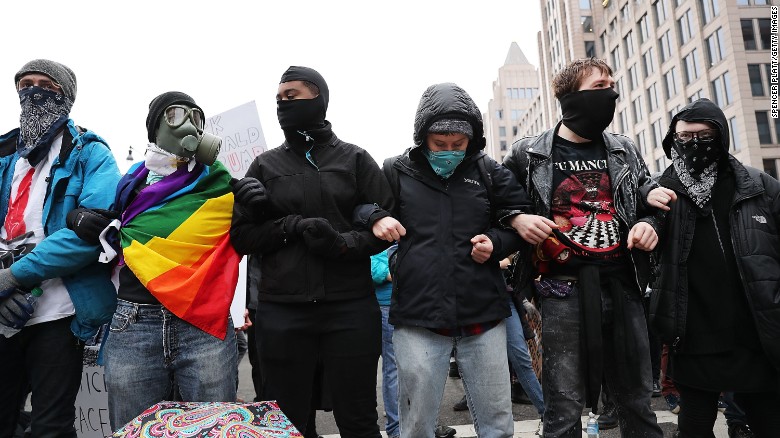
<point>583,208</point>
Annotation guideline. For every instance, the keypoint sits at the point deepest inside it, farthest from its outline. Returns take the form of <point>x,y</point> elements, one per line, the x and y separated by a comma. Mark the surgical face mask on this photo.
<point>444,162</point>
<point>589,112</point>
<point>180,132</point>
<point>161,162</point>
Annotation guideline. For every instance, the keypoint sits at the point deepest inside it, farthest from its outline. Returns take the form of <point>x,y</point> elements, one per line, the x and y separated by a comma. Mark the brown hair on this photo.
<point>570,78</point>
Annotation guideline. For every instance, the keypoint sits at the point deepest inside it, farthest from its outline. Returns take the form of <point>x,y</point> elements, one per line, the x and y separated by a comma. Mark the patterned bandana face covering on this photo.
<point>697,184</point>
<point>444,162</point>
<point>44,112</point>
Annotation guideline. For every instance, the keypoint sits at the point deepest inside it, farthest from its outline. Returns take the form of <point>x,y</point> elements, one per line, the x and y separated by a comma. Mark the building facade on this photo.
<point>665,54</point>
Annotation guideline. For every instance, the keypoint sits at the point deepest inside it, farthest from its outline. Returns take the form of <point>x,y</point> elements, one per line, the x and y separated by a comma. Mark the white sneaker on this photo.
<point>540,431</point>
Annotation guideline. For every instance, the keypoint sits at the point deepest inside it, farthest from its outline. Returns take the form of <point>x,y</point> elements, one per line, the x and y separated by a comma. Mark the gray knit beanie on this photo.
<point>61,74</point>
<point>452,126</point>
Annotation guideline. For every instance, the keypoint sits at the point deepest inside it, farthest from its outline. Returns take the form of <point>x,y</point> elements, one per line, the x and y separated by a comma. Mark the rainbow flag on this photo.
<point>175,237</point>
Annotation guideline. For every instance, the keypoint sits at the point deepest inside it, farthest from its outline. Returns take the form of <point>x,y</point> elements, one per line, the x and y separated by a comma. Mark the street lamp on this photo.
<point>130,154</point>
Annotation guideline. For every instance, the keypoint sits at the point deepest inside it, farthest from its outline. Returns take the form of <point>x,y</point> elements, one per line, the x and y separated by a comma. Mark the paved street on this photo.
<point>526,419</point>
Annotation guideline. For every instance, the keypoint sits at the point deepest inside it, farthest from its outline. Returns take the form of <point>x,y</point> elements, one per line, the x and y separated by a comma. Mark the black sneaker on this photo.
<point>461,405</point>
<point>454,373</point>
<point>674,403</point>
<point>607,420</point>
<point>740,431</point>
<point>444,432</point>
<point>656,388</point>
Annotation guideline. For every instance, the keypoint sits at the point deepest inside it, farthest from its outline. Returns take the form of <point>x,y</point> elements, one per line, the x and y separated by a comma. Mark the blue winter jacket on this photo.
<point>84,175</point>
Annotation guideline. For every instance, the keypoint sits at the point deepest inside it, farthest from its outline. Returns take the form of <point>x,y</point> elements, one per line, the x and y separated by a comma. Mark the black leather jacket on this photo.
<point>530,160</point>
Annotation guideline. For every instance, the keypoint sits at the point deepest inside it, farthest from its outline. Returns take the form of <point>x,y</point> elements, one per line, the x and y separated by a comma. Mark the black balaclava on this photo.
<point>299,116</point>
<point>589,112</point>
<point>697,164</point>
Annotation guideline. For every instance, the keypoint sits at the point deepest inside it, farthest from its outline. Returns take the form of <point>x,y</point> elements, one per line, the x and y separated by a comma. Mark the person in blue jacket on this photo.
<point>49,166</point>
<point>383,285</point>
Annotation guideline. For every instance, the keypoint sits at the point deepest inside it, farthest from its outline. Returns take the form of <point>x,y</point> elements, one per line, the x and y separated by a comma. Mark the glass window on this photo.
<point>770,167</point>
<point>762,123</point>
<point>715,48</point>
<point>587,23</point>
<point>644,31</point>
<point>623,121</point>
<point>585,4</point>
<point>648,62</point>
<point>632,74</point>
<point>641,142</point>
<point>764,32</point>
<point>502,131</point>
<point>685,27</point>
<point>658,133</point>
<point>672,83</point>
<point>502,144</point>
<point>628,43</point>
<point>499,114</point>
<point>638,108</point>
<point>748,34</point>
<point>652,97</point>
<point>665,46</point>
<point>661,12</point>
<point>696,96</point>
<point>742,2</point>
<point>615,59</point>
<point>709,10</point>
<point>721,90</point>
<point>756,84</point>
<point>691,66</point>
<point>590,49</point>
<point>733,133</point>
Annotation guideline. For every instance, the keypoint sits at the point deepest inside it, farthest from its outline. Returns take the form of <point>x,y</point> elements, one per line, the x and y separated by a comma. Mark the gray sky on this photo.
<point>377,57</point>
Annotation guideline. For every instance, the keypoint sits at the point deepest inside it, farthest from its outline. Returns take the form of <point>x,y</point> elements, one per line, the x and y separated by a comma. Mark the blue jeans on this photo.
<point>423,362</point>
<point>149,349</point>
<point>564,380</point>
<point>520,358</point>
<point>389,375</point>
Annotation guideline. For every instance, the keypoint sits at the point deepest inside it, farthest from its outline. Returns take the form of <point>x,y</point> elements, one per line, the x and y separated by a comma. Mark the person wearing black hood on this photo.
<point>448,289</point>
<point>716,300</point>
<point>316,300</point>
<point>588,262</point>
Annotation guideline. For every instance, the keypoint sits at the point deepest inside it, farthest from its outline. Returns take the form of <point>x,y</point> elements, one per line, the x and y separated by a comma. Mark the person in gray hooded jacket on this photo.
<point>448,290</point>
<point>716,300</point>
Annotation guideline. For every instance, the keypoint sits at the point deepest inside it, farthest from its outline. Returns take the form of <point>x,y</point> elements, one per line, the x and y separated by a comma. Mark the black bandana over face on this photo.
<point>43,114</point>
<point>697,166</point>
<point>301,114</point>
<point>589,112</point>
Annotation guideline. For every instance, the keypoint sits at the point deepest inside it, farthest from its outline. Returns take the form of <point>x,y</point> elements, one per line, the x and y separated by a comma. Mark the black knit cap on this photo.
<point>159,104</point>
<point>298,73</point>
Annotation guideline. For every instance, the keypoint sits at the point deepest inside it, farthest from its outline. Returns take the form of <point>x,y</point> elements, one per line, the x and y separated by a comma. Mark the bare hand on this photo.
<point>642,236</point>
<point>532,228</point>
<point>482,249</point>
<point>247,321</point>
<point>388,228</point>
<point>660,197</point>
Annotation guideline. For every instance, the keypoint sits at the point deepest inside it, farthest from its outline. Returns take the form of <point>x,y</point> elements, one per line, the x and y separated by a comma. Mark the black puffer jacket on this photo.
<point>436,284</point>
<point>344,177</point>
<point>754,222</point>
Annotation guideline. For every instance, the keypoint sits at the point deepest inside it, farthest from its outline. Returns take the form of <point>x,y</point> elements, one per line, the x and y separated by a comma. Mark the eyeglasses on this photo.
<point>175,115</point>
<point>703,136</point>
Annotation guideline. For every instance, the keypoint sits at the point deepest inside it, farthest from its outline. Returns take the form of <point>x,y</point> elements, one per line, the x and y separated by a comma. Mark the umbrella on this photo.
<point>213,419</point>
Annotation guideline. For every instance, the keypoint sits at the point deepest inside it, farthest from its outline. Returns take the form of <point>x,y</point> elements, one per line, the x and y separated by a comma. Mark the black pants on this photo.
<point>699,409</point>
<point>345,336</point>
<point>48,357</point>
<point>254,360</point>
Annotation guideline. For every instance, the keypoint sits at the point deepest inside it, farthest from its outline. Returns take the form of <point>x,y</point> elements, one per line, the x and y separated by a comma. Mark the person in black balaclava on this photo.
<point>315,298</point>
<point>591,233</point>
<point>719,275</point>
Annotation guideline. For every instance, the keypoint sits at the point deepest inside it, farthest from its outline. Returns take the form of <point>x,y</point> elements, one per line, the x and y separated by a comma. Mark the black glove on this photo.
<point>16,309</point>
<point>321,237</point>
<point>88,223</point>
<point>290,227</point>
<point>250,193</point>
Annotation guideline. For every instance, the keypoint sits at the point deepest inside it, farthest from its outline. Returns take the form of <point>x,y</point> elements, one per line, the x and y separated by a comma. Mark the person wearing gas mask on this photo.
<point>177,269</point>
<point>588,261</point>
<point>715,301</point>
<point>49,166</point>
<point>316,298</point>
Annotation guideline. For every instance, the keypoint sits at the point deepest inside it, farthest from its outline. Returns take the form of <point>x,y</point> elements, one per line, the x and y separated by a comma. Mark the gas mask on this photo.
<point>180,132</point>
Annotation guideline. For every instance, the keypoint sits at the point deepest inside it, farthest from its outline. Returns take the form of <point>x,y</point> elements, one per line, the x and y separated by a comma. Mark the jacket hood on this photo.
<point>702,110</point>
<point>448,101</point>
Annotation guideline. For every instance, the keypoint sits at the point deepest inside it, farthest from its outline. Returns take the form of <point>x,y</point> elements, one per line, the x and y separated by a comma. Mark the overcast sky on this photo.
<point>377,57</point>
